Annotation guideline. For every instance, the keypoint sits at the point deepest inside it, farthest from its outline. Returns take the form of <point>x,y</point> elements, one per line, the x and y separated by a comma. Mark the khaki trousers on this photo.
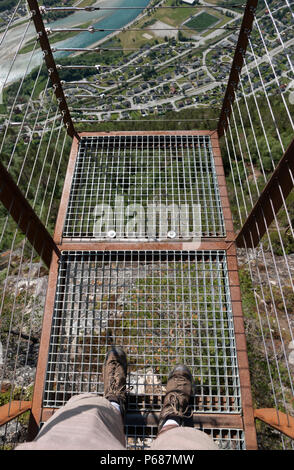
<point>88,422</point>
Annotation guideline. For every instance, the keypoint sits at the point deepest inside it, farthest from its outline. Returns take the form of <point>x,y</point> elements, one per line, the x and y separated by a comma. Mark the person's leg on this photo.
<point>182,438</point>
<point>171,432</point>
<point>88,421</point>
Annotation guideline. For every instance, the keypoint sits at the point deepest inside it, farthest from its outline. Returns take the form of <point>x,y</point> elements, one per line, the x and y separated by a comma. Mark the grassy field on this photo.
<point>136,39</point>
<point>174,17</point>
<point>171,17</point>
<point>228,2</point>
<point>86,3</point>
<point>202,21</point>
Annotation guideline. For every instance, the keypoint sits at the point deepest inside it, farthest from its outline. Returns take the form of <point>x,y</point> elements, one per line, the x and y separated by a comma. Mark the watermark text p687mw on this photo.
<point>169,459</point>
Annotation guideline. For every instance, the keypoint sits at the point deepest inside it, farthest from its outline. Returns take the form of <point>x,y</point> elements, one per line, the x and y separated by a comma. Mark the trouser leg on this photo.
<point>85,422</point>
<point>182,438</point>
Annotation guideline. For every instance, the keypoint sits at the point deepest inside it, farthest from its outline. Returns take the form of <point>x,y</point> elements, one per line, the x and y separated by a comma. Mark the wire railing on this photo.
<point>257,137</point>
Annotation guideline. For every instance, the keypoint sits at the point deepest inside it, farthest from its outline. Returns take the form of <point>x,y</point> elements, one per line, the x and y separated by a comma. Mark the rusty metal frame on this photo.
<point>243,365</point>
<point>244,421</point>
<point>237,65</point>
<point>66,191</point>
<point>151,419</point>
<point>269,202</point>
<point>205,244</point>
<point>43,351</point>
<point>13,409</point>
<point>225,203</point>
<point>235,292</point>
<point>277,420</point>
<point>51,66</point>
<point>26,218</point>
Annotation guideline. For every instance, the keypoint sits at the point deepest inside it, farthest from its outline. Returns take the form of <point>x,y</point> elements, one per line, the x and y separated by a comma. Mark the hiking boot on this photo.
<point>178,393</point>
<point>114,376</point>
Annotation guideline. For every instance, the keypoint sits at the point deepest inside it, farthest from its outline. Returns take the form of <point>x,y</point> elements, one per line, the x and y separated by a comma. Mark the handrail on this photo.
<point>276,419</point>
<point>269,202</point>
<point>25,217</point>
<point>51,66</point>
<point>237,65</point>
<point>13,409</point>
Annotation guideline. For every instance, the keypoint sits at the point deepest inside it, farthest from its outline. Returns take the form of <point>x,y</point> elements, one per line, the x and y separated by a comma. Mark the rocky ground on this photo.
<point>268,307</point>
<point>275,275</point>
<point>22,293</point>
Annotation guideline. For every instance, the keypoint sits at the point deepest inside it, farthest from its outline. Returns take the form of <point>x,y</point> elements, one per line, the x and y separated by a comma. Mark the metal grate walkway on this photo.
<point>140,437</point>
<point>162,307</point>
<point>174,172</point>
<point>165,301</point>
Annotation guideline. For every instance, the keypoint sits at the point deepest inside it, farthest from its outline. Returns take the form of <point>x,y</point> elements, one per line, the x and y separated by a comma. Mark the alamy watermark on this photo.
<point>151,221</point>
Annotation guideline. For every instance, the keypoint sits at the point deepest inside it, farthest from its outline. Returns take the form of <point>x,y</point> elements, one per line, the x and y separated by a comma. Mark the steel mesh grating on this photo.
<point>140,437</point>
<point>172,173</point>
<point>162,307</point>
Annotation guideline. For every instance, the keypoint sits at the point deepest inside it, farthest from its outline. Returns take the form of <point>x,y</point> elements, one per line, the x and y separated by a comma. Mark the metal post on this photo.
<point>25,217</point>
<point>269,202</point>
<point>237,65</point>
<point>51,66</point>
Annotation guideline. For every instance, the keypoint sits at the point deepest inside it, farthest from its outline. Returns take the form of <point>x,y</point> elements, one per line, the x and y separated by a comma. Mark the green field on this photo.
<point>202,21</point>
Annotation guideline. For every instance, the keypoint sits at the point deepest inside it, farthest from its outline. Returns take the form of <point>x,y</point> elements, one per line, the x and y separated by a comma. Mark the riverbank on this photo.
<point>15,66</point>
<point>115,33</point>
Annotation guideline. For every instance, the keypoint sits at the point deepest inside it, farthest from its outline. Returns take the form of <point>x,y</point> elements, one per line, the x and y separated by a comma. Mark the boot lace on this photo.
<point>175,400</point>
<point>113,387</point>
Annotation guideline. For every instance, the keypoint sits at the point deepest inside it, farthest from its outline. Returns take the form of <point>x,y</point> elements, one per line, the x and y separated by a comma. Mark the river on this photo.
<point>106,19</point>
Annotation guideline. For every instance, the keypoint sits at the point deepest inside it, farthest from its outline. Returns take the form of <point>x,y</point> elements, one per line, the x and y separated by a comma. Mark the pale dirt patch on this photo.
<point>165,30</point>
<point>147,36</point>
